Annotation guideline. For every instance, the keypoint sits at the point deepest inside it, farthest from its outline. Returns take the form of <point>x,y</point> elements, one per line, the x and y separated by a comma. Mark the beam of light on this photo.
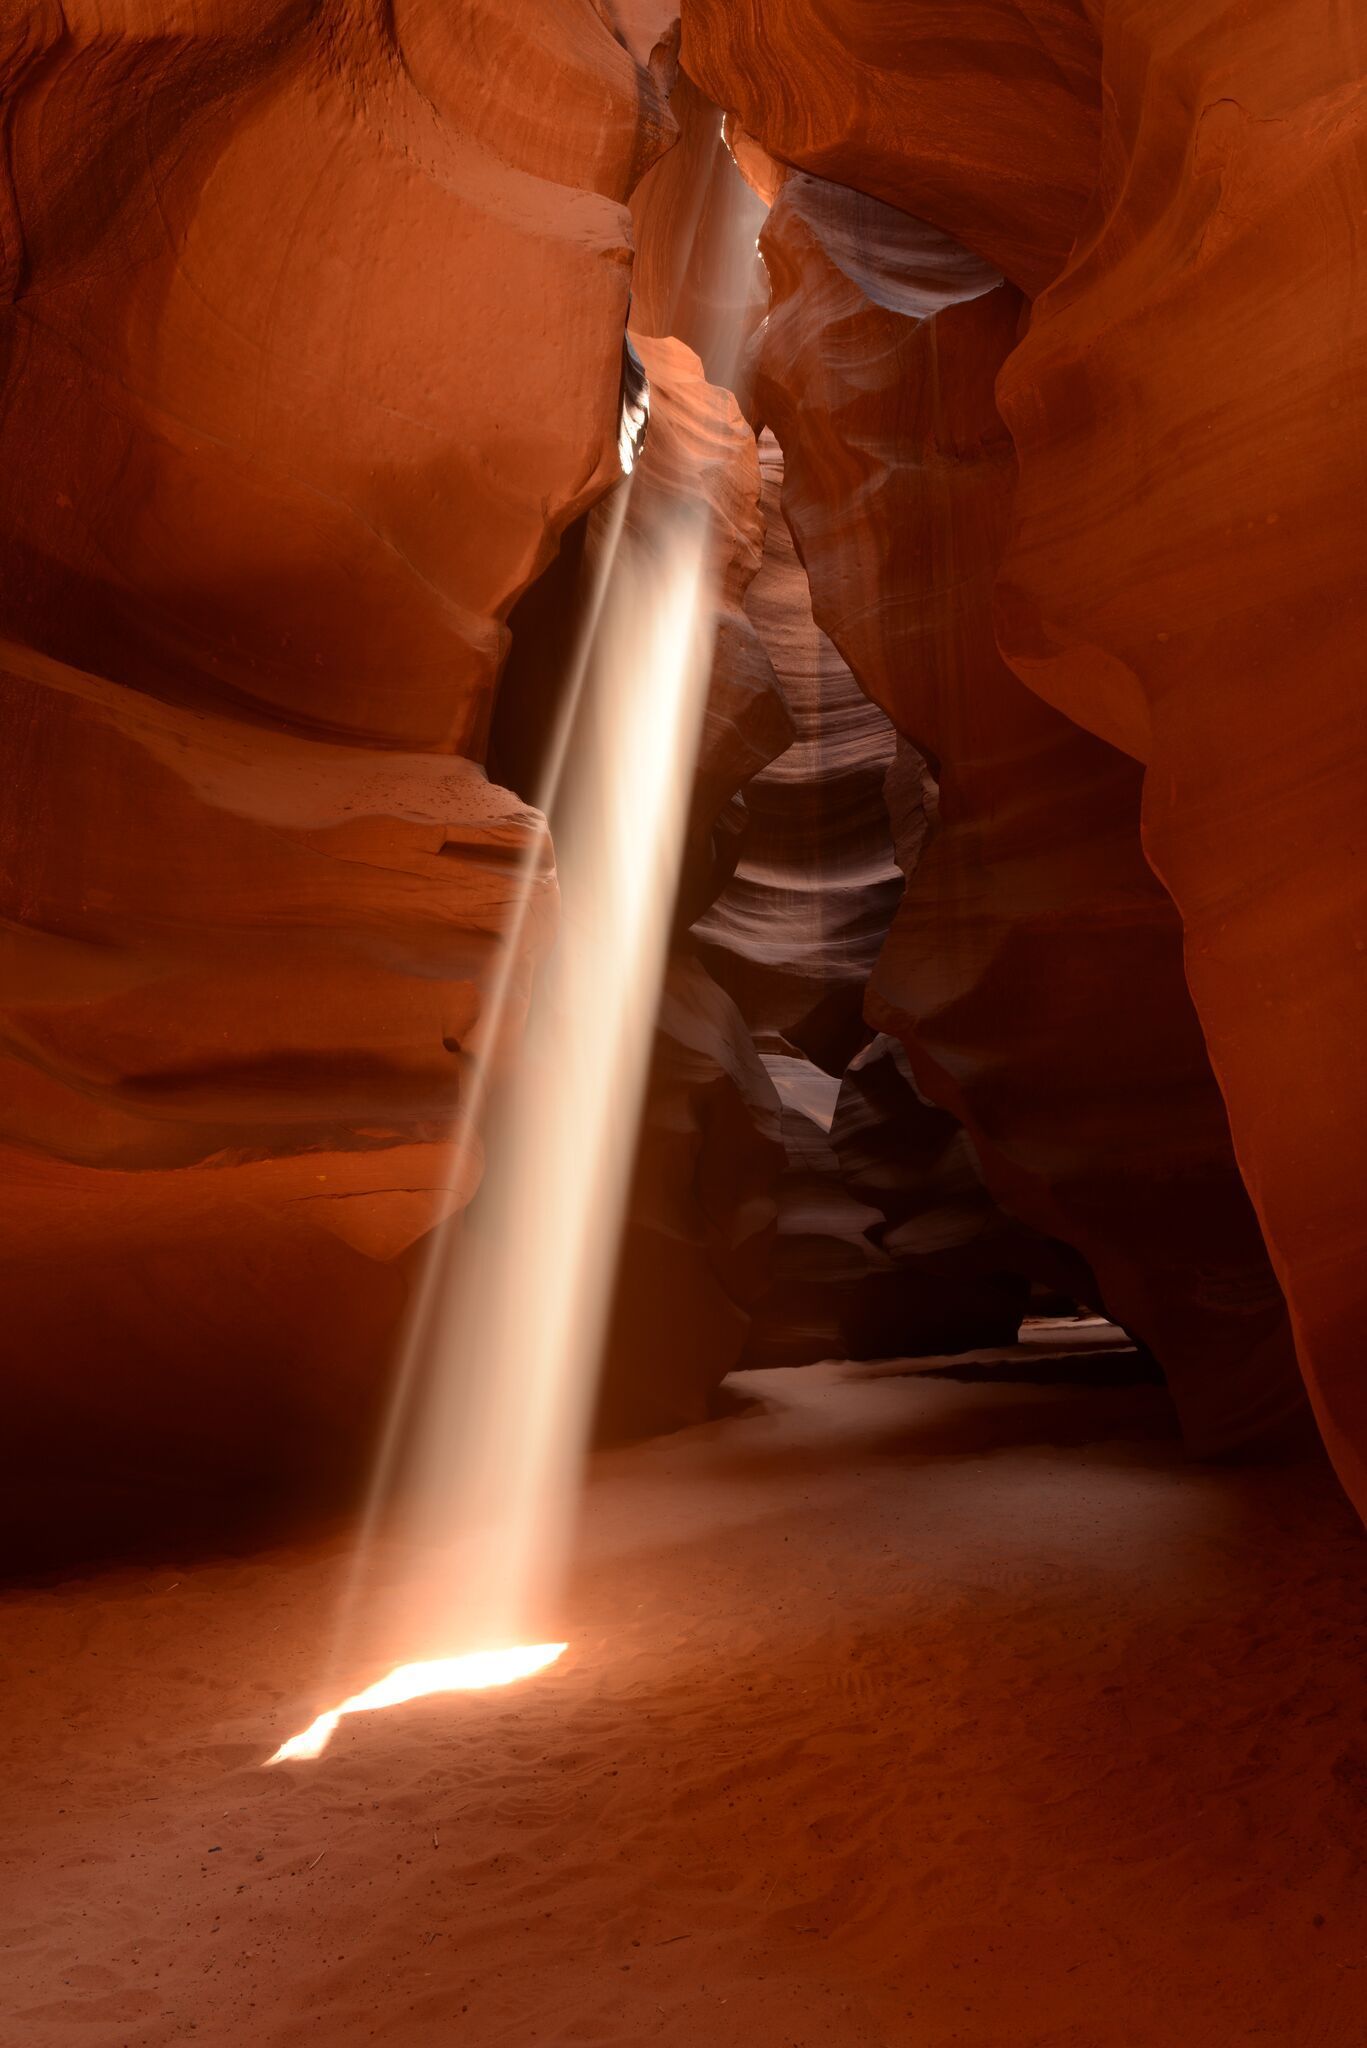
<point>491,1024</point>
<point>496,1397</point>
<point>519,1330</point>
<point>473,1673</point>
<point>483,1442</point>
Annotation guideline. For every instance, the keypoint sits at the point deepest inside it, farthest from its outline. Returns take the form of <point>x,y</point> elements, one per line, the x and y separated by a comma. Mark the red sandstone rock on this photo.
<point>1034,970</point>
<point>244,970</point>
<point>315,344</point>
<point>980,115</point>
<point>312,345</point>
<point>1187,578</point>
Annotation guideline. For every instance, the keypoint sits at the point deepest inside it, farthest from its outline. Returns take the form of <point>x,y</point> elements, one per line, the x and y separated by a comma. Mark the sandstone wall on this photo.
<point>311,344</point>
<point>1034,969</point>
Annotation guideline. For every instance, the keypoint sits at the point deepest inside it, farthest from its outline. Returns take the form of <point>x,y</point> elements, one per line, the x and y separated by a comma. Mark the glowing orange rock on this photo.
<point>1189,405</point>
<point>980,115</point>
<point>313,334</point>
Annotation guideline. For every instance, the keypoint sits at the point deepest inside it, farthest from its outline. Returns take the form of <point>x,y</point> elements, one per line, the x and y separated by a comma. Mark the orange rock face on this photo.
<point>981,115</point>
<point>1034,969</point>
<point>243,970</point>
<point>1186,403</point>
<point>1187,578</point>
<point>312,345</point>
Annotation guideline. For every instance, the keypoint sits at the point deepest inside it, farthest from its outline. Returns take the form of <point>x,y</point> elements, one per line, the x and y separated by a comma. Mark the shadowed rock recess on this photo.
<point>1020,943</point>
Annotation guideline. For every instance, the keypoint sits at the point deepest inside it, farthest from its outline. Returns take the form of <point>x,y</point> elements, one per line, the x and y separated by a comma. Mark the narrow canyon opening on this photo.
<point>683,1186</point>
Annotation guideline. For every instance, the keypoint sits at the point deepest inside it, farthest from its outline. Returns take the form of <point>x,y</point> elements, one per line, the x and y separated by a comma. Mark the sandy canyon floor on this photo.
<point>896,1711</point>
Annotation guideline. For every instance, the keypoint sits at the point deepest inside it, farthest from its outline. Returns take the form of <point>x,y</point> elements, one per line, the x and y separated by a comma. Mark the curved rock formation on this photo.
<point>243,968</point>
<point>1186,581</point>
<point>794,936</point>
<point>796,932</point>
<point>312,344</point>
<point>1034,971</point>
<point>980,115</point>
<point>1190,411</point>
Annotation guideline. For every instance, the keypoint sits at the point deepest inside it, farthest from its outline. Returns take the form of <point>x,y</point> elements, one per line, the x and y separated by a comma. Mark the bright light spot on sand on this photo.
<point>473,1673</point>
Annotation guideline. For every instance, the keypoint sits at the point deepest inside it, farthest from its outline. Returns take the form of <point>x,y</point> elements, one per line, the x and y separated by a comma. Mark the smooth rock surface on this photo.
<point>312,344</point>
<point>1187,578</point>
<point>1034,971</point>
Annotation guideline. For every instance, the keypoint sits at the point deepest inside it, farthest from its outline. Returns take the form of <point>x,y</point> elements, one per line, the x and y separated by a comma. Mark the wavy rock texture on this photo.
<point>1187,406</point>
<point>1034,971</point>
<point>312,346</point>
<point>242,969</point>
<point>794,936</point>
<point>796,932</point>
<point>980,115</point>
<point>1190,410</point>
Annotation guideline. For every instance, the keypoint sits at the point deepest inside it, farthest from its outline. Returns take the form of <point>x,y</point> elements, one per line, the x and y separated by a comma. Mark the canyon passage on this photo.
<point>681,1143</point>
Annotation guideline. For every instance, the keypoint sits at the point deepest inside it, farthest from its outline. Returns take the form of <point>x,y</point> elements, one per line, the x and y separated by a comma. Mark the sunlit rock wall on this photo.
<point>980,114</point>
<point>1034,968</point>
<point>1187,578</point>
<point>1180,191</point>
<point>311,345</point>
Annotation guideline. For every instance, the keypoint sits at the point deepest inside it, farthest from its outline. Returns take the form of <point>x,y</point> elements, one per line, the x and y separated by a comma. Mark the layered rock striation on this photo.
<point>1034,969</point>
<point>1180,195</point>
<point>981,114</point>
<point>794,936</point>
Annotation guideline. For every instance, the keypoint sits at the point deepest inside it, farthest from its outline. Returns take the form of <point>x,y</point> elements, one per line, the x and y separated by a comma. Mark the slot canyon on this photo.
<point>683,1144</point>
